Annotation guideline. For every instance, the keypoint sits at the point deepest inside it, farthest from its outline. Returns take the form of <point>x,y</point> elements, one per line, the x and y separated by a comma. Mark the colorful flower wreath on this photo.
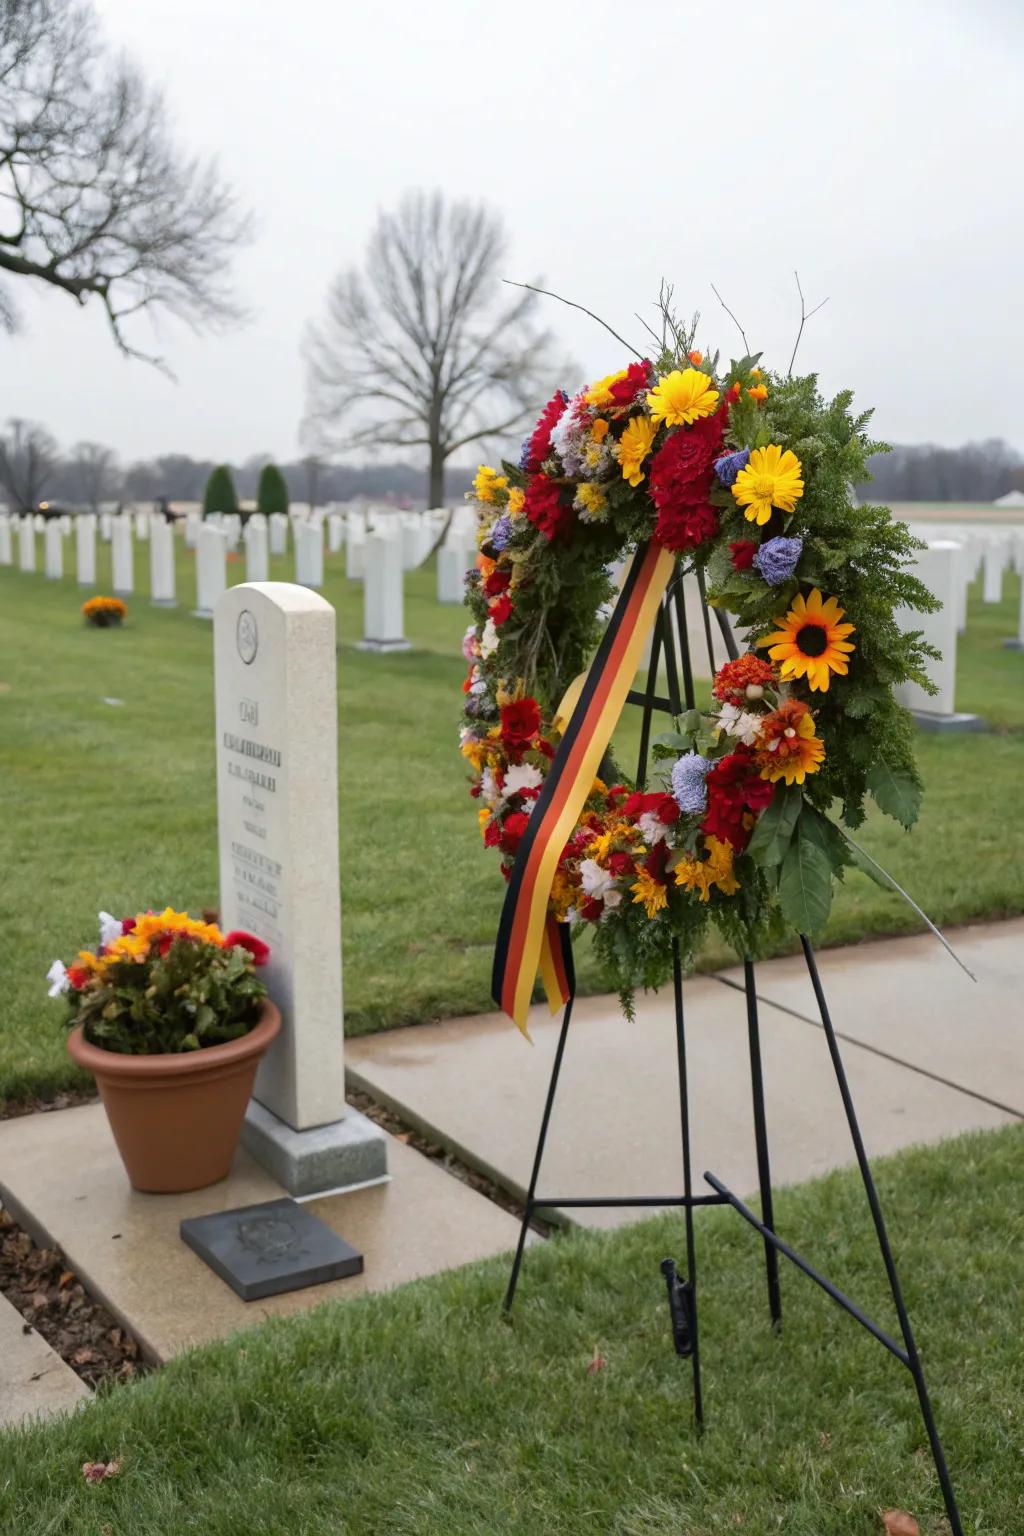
<point>748,477</point>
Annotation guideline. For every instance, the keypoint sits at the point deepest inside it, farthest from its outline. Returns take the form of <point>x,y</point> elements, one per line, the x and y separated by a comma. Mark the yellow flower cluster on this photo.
<point>634,446</point>
<point>487,483</point>
<point>701,874</point>
<point>109,606</point>
<point>135,945</point>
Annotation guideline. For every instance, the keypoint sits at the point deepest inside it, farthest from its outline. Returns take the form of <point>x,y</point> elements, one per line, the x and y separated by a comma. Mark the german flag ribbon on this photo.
<point>528,939</point>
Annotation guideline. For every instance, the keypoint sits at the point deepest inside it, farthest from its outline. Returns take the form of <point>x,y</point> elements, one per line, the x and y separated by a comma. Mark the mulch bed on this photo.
<point>54,1303</point>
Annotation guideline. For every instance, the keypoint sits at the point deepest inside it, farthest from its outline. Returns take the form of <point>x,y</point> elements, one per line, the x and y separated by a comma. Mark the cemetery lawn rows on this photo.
<point>112,804</point>
<point>424,1413</point>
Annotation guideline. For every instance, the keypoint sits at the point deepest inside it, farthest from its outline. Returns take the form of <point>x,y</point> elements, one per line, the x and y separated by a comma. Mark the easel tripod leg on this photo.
<point>913,1358</point>
<point>684,1123</point>
<point>538,1157</point>
<point>764,1176</point>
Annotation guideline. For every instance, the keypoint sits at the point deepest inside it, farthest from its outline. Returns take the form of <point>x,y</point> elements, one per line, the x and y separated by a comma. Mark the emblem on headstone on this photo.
<point>247,636</point>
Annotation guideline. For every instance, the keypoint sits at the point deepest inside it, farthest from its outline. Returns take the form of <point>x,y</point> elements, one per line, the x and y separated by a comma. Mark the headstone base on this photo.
<point>941,724</point>
<point>383,645</point>
<point>202,613</point>
<point>1013,645</point>
<point>328,1157</point>
<point>163,602</point>
<point>262,1250</point>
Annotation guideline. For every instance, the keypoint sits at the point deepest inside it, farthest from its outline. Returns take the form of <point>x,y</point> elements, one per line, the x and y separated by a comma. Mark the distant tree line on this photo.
<point>926,472</point>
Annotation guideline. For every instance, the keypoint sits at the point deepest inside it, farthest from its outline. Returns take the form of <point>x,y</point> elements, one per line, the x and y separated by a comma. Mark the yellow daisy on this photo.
<point>634,446</point>
<point>770,479</point>
<point>487,483</point>
<point>720,857</point>
<point>516,497</point>
<point>810,641</point>
<point>600,394</point>
<point>695,875</point>
<point>649,892</point>
<point>678,399</point>
<point>591,502</point>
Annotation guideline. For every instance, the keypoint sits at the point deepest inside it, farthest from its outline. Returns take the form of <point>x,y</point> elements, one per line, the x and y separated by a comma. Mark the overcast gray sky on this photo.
<point>876,146</point>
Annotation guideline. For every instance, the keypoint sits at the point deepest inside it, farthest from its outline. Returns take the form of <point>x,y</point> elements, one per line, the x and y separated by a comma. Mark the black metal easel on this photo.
<point>682,1293</point>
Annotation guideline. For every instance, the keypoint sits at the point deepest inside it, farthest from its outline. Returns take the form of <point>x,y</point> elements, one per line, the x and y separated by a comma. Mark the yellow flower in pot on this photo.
<point>171,1019</point>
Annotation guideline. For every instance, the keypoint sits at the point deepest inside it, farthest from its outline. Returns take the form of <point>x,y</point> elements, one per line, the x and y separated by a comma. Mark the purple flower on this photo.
<point>688,784</point>
<point>777,559</point>
<point>524,454</point>
<point>501,532</point>
<point>730,464</point>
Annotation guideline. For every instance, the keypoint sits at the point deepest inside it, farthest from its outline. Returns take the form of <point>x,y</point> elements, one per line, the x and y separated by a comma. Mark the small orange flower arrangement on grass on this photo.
<point>104,612</point>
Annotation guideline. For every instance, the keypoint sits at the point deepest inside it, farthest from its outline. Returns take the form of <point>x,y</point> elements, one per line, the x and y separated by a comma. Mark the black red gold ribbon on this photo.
<point>526,938</point>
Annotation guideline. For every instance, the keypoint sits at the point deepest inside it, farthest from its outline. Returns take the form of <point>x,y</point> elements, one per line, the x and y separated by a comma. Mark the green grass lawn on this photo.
<point>424,1413</point>
<point>112,804</point>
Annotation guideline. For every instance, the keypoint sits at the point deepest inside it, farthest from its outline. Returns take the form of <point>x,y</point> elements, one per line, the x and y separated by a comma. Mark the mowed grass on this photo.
<point>107,800</point>
<point>425,1413</point>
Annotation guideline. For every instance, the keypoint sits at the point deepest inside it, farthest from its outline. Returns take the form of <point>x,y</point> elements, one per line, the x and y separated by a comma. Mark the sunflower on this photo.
<point>771,478</point>
<point>679,399</point>
<point>790,748</point>
<point>810,641</point>
<point>634,446</point>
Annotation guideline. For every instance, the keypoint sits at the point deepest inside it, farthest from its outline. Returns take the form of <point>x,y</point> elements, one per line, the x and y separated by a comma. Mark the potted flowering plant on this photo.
<point>104,612</point>
<point>172,1021</point>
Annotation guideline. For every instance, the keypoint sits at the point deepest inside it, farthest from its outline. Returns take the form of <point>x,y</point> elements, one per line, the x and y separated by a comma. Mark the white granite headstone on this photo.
<point>257,561</point>
<point>53,550</point>
<point>142,526</point>
<point>453,561</point>
<point>26,544</point>
<point>993,566</point>
<point>335,532</point>
<point>278,533</point>
<point>309,554</point>
<point>277,804</point>
<point>5,539</point>
<point>938,567</point>
<point>161,562</point>
<point>211,568</point>
<point>85,549</point>
<point>106,527</point>
<point>193,523</point>
<point>383,595</point>
<point>122,556</point>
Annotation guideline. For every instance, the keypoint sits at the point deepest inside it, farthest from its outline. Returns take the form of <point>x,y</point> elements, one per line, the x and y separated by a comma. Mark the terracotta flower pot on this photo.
<point>177,1118</point>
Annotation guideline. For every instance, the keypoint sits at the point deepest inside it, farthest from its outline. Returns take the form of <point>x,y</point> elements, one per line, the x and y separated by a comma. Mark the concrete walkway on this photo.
<point>34,1381</point>
<point>928,1053</point>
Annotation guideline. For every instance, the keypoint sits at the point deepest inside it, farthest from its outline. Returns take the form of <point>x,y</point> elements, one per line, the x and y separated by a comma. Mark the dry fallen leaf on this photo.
<point>66,1278</point>
<point>898,1523</point>
<point>598,1363</point>
<point>99,1471</point>
<point>83,1357</point>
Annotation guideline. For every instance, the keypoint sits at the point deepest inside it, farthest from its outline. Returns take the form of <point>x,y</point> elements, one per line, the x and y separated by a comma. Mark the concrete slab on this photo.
<point>34,1381</point>
<point>908,998</point>
<point>62,1179</point>
<point>476,1086</point>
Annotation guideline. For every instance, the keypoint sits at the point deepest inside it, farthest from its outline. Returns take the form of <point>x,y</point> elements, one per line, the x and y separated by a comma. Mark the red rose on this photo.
<point>500,610</point>
<point>656,861</point>
<point>743,552</point>
<point>591,909</point>
<point>260,952</point>
<point>497,582</point>
<point>638,379</point>
<point>520,722</point>
<point>539,445</point>
<point>512,830</point>
<point>544,507</point>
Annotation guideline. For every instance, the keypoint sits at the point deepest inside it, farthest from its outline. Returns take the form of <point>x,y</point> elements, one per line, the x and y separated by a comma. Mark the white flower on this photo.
<point>740,723</point>
<point>490,794</point>
<point>596,880</point>
<point>522,776</point>
<point>612,899</point>
<point>57,976</point>
<point>488,640</point>
<point>110,928</point>
<point>652,828</point>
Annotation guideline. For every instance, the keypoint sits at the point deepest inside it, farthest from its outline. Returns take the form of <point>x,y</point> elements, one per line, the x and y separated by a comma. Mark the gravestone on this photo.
<point>355,546</point>
<point>453,561</point>
<point>161,562</point>
<point>106,527</point>
<point>938,567</point>
<point>211,568</point>
<point>257,561</point>
<point>53,550</point>
<point>142,526</point>
<point>993,566</point>
<point>85,549</point>
<point>335,532</point>
<point>309,554</point>
<point>383,595</point>
<point>231,524</point>
<point>278,530</point>
<point>193,523</point>
<point>26,544</point>
<point>277,804</point>
<point>122,556</point>
<point>5,539</point>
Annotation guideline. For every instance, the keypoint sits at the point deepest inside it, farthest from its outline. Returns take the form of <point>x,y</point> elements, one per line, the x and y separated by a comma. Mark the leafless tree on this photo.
<point>95,198</point>
<point>423,349</point>
<point>28,458</point>
<point>93,468</point>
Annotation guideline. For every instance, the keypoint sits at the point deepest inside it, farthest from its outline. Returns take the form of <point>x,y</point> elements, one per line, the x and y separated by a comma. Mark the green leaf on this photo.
<point>827,836</point>
<point>805,885</point>
<point>895,793</point>
<point>775,826</point>
<point>673,742</point>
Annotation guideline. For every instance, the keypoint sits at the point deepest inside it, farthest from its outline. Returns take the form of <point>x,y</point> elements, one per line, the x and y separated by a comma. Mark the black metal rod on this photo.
<point>913,1358</point>
<point>538,1157</point>
<point>707,620</point>
<point>731,648</point>
<point>656,700</point>
<point>684,1128</point>
<point>808,1269</point>
<point>764,1176</point>
<point>684,643</point>
<point>648,702</point>
<point>671,670</point>
<point>568,1201</point>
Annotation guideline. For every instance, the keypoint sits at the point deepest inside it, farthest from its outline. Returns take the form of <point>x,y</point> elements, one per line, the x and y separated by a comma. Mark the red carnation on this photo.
<point>520,722</point>
<point>497,582</point>
<point>620,864</point>
<point>501,609</point>
<point>736,795</point>
<point>77,976</point>
<point>685,458</point>
<point>656,862</point>
<point>591,909</point>
<point>544,507</point>
<point>512,831</point>
<point>743,552</point>
<point>260,952</point>
<point>663,806</point>
<point>733,392</point>
<point>492,833</point>
<point>638,379</point>
<point>127,924</point>
<point>686,527</point>
<point>539,445</point>
<point>615,794</point>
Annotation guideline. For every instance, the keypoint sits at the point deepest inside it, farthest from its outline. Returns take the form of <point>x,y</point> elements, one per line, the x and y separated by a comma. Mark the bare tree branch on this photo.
<point>732,317</point>
<point>805,315</point>
<point>572,305</point>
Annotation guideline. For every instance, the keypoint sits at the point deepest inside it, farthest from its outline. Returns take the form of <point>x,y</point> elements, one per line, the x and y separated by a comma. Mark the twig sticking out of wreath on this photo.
<point>805,315</point>
<point>732,317</point>
<point>573,305</point>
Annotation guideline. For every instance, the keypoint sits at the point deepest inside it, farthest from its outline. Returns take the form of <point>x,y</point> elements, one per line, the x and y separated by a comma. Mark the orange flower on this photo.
<point>696,358</point>
<point>758,392</point>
